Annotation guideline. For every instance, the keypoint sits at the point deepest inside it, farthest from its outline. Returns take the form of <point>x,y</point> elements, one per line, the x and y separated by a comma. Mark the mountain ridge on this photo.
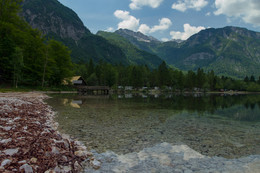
<point>231,51</point>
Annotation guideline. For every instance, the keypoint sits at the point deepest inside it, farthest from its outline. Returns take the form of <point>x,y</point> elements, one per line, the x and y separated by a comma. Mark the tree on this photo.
<point>212,80</point>
<point>200,78</point>
<point>136,77</point>
<point>252,78</point>
<point>17,59</point>
<point>61,68</point>
<point>190,80</point>
<point>163,74</point>
<point>246,79</point>
<point>90,67</point>
<point>9,10</point>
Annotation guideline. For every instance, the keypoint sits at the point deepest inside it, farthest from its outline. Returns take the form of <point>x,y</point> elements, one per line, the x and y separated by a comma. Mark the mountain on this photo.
<point>133,54</point>
<point>230,51</point>
<point>62,24</point>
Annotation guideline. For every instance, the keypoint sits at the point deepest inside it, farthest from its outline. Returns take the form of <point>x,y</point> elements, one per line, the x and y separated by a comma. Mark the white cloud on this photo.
<point>165,39</point>
<point>208,14</point>
<point>128,21</point>
<point>110,29</point>
<point>188,31</point>
<point>144,29</point>
<point>183,5</point>
<point>164,24</point>
<point>138,4</point>
<point>248,10</point>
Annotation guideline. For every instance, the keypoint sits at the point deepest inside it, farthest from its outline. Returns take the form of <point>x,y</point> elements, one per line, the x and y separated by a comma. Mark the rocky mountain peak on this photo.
<point>53,18</point>
<point>137,35</point>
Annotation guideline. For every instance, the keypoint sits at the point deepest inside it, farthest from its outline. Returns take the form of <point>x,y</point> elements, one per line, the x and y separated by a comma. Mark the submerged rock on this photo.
<point>96,164</point>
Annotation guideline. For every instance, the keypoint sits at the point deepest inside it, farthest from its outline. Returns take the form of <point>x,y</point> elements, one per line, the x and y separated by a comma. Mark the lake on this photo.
<point>214,125</point>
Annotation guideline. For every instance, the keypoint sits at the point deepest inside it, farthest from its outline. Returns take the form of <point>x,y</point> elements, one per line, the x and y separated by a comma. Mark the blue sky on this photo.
<point>166,19</point>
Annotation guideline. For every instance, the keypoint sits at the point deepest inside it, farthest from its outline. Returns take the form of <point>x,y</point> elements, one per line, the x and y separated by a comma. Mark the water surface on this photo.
<point>214,125</point>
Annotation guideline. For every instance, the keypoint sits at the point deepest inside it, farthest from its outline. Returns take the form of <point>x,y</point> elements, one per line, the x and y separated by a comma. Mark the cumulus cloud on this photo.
<point>144,29</point>
<point>138,4</point>
<point>164,24</point>
<point>128,21</point>
<point>248,10</point>
<point>110,29</point>
<point>165,39</point>
<point>188,31</point>
<point>183,5</point>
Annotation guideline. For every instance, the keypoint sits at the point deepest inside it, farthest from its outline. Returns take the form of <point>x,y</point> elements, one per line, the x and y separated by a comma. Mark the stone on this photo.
<point>95,164</point>
<point>11,152</point>
<point>57,169</point>
<point>22,162</point>
<point>5,141</point>
<point>77,166</point>
<point>80,153</point>
<point>6,162</point>
<point>26,168</point>
<point>33,160</point>
<point>55,150</point>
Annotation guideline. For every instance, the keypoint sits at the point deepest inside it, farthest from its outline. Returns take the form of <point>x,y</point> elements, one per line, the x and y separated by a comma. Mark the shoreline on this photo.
<point>30,141</point>
<point>29,114</point>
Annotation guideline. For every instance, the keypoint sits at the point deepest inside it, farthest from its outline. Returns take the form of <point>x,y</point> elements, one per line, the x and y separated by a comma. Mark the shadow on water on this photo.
<point>214,125</point>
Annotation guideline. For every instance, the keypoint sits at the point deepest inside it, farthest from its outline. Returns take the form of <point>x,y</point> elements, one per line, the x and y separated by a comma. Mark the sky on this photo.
<point>166,19</point>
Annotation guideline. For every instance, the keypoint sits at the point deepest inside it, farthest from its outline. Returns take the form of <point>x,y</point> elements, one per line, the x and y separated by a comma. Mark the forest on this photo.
<point>28,58</point>
<point>164,76</point>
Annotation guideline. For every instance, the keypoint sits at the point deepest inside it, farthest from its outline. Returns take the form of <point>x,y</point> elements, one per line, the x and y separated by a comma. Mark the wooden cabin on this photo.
<point>75,81</point>
<point>80,84</point>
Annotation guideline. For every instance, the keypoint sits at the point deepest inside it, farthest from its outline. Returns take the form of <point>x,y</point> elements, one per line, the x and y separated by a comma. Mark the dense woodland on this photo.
<point>141,76</point>
<point>28,58</point>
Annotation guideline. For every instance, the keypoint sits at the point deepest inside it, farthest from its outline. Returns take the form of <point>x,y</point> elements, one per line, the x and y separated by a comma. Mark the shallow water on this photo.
<point>214,125</point>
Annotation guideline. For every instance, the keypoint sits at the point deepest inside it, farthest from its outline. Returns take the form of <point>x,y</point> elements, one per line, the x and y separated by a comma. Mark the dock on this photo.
<point>93,90</point>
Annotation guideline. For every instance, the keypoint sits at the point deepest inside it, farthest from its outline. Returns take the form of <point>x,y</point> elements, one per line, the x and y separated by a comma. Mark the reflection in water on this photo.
<point>227,126</point>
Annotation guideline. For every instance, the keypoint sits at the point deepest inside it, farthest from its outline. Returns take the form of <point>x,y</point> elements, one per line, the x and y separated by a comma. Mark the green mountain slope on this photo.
<point>62,24</point>
<point>133,54</point>
<point>230,51</point>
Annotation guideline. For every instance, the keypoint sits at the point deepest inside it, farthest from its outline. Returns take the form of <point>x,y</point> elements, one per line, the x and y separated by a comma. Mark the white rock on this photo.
<point>27,168</point>
<point>96,164</point>
<point>5,141</point>
<point>22,162</point>
<point>55,150</point>
<point>80,153</point>
<point>11,152</point>
<point>6,128</point>
<point>6,162</point>
<point>33,160</point>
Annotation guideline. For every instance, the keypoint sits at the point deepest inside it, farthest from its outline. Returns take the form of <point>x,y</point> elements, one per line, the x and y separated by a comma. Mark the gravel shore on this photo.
<point>29,140</point>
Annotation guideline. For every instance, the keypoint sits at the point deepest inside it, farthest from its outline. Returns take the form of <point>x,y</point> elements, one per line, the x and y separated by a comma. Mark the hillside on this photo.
<point>230,51</point>
<point>134,55</point>
<point>62,24</point>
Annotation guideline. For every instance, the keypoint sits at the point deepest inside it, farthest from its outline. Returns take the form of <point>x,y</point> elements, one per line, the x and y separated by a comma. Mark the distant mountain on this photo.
<point>62,24</point>
<point>230,51</point>
<point>141,41</point>
<point>133,54</point>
